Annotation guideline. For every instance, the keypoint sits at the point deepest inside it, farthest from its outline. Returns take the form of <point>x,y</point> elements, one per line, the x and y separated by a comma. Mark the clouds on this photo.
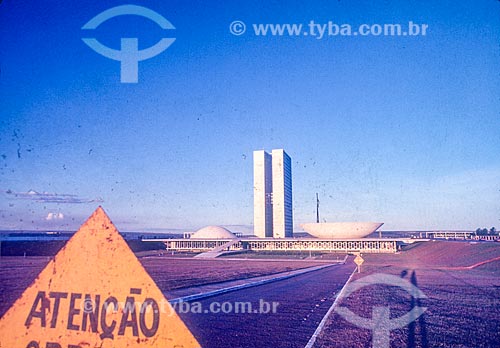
<point>54,216</point>
<point>47,197</point>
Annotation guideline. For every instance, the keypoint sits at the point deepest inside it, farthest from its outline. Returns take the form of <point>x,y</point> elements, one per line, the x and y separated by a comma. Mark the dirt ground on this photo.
<point>461,282</point>
<point>463,303</point>
<point>17,272</point>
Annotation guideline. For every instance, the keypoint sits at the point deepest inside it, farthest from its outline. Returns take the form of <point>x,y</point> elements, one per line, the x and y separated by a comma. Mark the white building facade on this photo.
<point>273,216</point>
<point>262,194</point>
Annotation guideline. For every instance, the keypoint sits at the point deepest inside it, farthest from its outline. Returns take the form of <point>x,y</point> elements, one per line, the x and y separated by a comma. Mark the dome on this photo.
<point>341,230</point>
<point>213,232</point>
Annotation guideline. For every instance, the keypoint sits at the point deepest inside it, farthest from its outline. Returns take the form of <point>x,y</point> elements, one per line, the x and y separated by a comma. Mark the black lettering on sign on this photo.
<point>73,311</point>
<point>135,291</point>
<point>52,345</point>
<point>44,303</point>
<point>107,330</point>
<point>91,312</point>
<point>149,331</point>
<point>142,319</point>
<point>57,296</point>
<point>34,344</point>
<point>125,322</point>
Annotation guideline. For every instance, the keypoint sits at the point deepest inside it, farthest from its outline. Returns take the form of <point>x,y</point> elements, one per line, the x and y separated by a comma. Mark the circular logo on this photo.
<point>237,28</point>
<point>381,322</point>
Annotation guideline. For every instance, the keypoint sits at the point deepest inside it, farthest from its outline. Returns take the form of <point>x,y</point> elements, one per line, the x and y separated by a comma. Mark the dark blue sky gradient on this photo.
<point>403,130</point>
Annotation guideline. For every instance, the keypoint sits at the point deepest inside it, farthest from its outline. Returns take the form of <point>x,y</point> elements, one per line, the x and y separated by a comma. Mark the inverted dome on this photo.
<point>341,230</point>
<point>213,232</point>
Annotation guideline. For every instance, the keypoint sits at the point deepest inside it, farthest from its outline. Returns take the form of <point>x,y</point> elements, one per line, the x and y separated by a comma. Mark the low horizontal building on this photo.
<point>219,239</point>
<point>364,245</point>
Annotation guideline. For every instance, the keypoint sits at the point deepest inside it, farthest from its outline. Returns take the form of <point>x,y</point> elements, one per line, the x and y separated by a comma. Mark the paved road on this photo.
<point>303,301</point>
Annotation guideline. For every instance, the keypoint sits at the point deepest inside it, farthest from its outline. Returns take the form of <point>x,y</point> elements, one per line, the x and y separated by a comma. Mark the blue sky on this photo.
<point>403,130</point>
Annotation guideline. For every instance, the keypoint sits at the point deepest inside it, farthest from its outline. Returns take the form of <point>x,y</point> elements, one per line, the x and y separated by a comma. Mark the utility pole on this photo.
<point>317,208</point>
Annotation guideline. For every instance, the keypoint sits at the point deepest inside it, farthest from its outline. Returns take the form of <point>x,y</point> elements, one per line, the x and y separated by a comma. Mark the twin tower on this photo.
<point>272,175</point>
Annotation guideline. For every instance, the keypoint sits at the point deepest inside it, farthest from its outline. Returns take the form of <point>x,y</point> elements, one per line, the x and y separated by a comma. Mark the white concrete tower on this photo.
<point>273,215</point>
<point>282,194</point>
<point>262,191</point>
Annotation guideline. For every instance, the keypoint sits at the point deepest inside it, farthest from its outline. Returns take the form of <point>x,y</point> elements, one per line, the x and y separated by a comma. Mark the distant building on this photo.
<point>262,194</point>
<point>273,215</point>
<point>282,194</point>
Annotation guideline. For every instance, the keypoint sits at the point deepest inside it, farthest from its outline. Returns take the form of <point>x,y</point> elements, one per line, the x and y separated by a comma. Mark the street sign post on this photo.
<point>358,260</point>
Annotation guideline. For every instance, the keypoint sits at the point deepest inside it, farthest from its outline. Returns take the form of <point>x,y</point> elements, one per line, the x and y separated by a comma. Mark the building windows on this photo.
<point>273,194</point>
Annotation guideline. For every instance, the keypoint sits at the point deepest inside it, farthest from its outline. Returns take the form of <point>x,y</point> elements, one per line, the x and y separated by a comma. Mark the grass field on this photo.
<point>463,305</point>
<point>460,279</point>
<point>439,254</point>
<point>17,273</point>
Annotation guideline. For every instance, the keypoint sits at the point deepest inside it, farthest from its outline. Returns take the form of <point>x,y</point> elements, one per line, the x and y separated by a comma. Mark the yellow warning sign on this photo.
<point>94,293</point>
<point>358,260</point>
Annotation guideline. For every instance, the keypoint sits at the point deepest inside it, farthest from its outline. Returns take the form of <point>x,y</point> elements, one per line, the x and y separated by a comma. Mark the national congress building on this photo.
<point>273,217</point>
<point>273,222</point>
